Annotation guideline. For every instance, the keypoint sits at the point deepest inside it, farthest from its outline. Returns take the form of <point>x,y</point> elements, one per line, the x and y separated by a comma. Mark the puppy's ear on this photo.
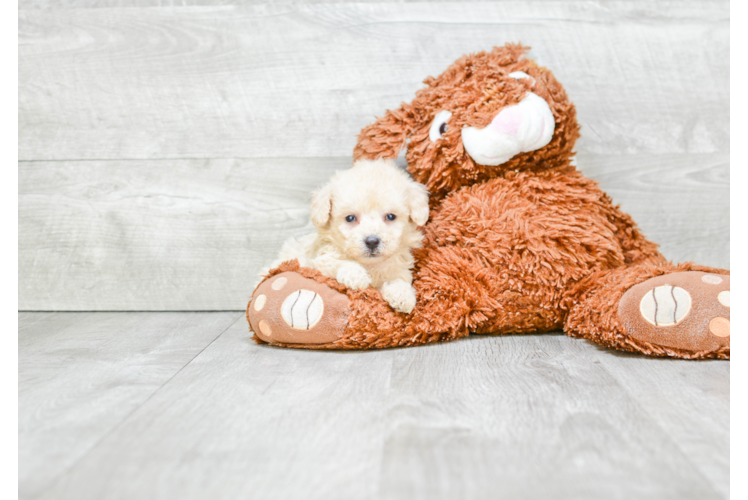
<point>418,203</point>
<point>322,205</point>
<point>386,137</point>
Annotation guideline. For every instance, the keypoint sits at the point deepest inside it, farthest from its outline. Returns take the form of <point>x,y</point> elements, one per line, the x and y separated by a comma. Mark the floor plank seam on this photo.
<point>124,419</point>
<point>653,422</point>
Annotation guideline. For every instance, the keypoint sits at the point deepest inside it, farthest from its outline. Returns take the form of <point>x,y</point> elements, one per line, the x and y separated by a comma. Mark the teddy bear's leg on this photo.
<point>659,310</point>
<point>299,307</point>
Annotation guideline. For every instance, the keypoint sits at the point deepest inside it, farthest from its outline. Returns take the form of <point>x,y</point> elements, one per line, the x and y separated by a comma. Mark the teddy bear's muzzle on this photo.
<point>521,128</point>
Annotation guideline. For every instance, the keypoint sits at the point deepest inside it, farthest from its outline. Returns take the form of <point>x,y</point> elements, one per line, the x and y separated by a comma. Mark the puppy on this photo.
<point>367,219</point>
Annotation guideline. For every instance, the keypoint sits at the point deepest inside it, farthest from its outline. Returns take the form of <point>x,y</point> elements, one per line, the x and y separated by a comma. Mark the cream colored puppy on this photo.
<point>366,219</point>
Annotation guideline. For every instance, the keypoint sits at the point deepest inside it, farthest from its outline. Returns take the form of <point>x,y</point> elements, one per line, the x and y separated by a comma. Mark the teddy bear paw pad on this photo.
<point>688,310</point>
<point>291,309</point>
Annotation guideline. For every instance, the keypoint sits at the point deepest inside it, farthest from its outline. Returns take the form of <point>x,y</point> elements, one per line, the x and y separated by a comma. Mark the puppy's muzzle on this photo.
<point>372,243</point>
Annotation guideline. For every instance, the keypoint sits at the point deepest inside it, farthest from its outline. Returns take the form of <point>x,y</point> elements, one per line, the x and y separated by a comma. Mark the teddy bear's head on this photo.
<point>487,114</point>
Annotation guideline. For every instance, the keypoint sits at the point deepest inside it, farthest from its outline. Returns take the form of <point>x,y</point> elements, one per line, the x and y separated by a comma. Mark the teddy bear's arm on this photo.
<point>636,247</point>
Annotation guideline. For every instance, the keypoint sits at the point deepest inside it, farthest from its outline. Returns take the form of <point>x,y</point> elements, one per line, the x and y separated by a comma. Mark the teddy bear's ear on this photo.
<point>386,137</point>
<point>321,205</point>
<point>418,203</point>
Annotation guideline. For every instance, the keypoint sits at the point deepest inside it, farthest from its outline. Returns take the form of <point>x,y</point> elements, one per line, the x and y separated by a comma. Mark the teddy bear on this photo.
<point>517,240</point>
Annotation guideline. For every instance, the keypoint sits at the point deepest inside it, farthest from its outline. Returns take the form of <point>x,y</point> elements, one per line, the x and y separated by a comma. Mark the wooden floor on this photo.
<point>185,405</point>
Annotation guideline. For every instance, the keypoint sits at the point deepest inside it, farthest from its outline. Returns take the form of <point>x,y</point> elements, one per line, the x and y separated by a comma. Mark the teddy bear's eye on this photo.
<point>390,217</point>
<point>439,125</point>
<point>350,218</point>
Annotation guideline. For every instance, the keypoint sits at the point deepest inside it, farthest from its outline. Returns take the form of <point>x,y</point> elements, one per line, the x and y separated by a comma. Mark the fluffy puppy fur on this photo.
<point>367,222</point>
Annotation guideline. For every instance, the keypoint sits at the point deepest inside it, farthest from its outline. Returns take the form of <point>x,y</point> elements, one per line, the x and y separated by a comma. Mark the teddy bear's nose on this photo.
<point>372,242</point>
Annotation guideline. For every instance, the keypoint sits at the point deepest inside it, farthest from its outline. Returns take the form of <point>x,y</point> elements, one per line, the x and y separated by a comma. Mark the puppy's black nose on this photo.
<point>372,242</point>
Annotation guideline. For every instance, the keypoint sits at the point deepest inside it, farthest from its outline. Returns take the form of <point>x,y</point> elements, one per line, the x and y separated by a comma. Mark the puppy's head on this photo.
<point>371,211</point>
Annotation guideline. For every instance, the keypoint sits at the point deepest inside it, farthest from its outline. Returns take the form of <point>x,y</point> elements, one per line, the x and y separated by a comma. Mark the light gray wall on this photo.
<point>166,153</point>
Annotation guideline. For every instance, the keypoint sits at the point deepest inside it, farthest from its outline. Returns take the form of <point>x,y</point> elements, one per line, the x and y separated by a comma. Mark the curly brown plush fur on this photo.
<point>530,245</point>
<point>475,88</point>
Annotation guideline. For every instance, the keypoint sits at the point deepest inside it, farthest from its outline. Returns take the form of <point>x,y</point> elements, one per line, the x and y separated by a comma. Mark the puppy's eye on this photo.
<point>390,217</point>
<point>439,125</point>
<point>350,218</point>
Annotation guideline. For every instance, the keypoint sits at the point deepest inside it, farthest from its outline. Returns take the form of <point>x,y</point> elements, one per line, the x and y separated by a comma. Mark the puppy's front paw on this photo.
<point>400,295</point>
<point>353,276</point>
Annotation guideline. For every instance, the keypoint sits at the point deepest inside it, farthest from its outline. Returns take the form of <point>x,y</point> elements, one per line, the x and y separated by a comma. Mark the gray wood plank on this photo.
<point>738,222</point>
<point>738,251</point>
<point>158,235</point>
<point>246,421</point>
<point>193,234</point>
<point>81,374</point>
<point>545,416</point>
<point>97,4</point>
<point>94,4</point>
<point>696,413</point>
<point>488,417</point>
<point>737,137</point>
<point>302,80</point>
<point>681,202</point>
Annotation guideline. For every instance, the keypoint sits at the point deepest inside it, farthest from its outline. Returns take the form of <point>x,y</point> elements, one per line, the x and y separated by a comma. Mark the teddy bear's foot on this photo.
<point>681,311</point>
<point>688,311</point>
<point>290,309</point>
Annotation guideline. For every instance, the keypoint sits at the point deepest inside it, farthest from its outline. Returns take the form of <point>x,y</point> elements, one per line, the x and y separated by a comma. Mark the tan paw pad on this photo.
<point>687,310</point>
<point>720,327</point>
<point>712,279</point>
<point>265,328</point>
<point>260,302</point>
<point>289,309</point>
<point>279,283</point>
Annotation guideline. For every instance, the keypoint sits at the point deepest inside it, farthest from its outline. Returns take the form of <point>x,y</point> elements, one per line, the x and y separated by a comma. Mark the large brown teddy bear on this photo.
<point>518,240</point>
